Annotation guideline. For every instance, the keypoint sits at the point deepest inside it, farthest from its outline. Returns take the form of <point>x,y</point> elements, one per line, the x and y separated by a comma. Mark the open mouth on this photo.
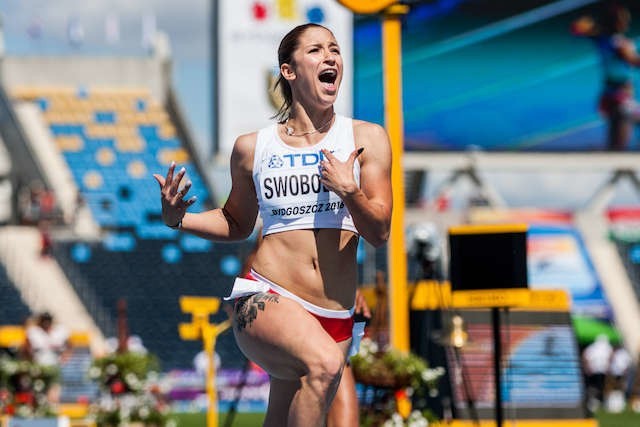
<point>328,76</point>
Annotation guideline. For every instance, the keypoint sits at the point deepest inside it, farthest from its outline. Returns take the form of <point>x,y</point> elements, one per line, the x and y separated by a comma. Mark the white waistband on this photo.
<point>312,308</point>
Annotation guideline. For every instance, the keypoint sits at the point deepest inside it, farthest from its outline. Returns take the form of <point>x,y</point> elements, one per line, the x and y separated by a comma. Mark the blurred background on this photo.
<point>501,125</point>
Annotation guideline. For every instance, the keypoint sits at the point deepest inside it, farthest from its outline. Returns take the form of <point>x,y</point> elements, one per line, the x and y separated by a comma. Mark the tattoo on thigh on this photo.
<point>247,308</point>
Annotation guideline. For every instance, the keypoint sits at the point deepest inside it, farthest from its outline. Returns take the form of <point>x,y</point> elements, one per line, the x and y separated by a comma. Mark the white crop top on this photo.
<point>287,181</point>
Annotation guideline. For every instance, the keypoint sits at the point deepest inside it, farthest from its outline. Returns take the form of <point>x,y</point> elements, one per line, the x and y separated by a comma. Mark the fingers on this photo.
<point>175,184</point>
<point>170,187</point>
<point>328,155</point>
<point>361,306</point>
<point>159,179</point>
<point>329,158</point>
<point>169,177</point>
<point>355,154</point>
<point>180,194</point>
<point>170,184</point>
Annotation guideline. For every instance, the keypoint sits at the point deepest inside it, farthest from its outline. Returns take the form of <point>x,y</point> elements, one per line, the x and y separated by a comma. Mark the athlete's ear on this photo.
<point>287,71</point>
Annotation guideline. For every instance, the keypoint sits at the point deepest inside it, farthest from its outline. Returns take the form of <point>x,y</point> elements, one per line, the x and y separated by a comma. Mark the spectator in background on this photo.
<point>47,344</point>
<point>617,381</point>
<point>620,366</point>
<point>45,239</point>
<point>618,57</point>
<point>596,361</point>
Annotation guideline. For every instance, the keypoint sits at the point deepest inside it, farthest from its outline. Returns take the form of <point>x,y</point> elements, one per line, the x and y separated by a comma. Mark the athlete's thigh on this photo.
<point>279,335</point>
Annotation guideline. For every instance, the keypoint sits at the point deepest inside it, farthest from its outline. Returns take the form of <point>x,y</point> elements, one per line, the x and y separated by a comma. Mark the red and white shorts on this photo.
<point>619,102</point>
<point>339,324</point>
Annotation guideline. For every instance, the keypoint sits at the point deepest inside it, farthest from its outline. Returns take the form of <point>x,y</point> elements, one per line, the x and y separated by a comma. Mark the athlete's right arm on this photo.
<point>627,50</point>
<point>234,221</point>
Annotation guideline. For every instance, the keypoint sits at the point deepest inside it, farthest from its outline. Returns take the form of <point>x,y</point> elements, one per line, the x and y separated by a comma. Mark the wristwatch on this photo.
<point>177,226</point>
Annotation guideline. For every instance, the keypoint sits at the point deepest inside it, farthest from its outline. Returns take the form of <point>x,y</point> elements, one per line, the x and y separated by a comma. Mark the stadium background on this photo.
<point>88,122</point>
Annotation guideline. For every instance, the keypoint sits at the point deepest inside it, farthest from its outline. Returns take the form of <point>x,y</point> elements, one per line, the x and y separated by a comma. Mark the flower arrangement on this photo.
<point>24,386</point>
<point>416,419</point>
<point>402,375</point>
<point>146,410</point>
<point>124,372</point>
<point>392,368</point>
<point>129,394</point>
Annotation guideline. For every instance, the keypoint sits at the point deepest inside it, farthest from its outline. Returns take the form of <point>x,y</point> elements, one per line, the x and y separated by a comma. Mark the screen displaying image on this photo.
<point>497,75</point>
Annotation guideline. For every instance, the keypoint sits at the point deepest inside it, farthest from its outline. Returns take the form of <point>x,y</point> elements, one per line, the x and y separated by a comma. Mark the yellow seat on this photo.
<point>70,143</point>
<point>166,156</point>
<point>167,131</point>
<point>74,410</point>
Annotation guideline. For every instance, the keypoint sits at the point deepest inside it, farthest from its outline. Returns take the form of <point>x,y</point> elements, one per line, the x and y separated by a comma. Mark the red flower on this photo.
<point>24,397</point>
<point>117,387</point>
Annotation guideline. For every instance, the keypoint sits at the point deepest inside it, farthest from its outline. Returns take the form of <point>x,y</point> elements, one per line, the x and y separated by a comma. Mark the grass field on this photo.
<point>200,420</point>
<point>625,419</point>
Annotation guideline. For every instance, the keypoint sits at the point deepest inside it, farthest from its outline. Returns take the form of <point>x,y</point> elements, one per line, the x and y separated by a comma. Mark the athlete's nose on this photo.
<point>330,57</point>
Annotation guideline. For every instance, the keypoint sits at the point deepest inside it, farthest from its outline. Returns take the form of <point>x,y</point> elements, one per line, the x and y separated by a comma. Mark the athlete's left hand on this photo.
<point>338,176</point>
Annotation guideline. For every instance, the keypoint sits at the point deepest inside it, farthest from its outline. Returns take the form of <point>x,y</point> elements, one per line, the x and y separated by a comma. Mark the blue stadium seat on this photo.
<point>14,310</point>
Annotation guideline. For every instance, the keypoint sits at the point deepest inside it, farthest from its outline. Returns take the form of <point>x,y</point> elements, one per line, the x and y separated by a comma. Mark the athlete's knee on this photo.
<point>324,371</point>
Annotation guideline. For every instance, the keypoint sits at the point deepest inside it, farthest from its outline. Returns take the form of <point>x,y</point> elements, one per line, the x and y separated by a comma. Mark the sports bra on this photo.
<point>287,181</point>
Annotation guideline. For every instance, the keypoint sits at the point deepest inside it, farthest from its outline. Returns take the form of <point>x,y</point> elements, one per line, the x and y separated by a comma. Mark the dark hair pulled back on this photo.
<point>288,45</point>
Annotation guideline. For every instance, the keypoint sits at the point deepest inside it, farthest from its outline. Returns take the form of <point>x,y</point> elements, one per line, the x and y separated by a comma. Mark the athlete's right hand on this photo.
<point>174,205</point>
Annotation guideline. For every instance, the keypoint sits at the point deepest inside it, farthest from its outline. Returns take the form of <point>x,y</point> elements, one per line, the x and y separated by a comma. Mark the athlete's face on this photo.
<point>316,71</point>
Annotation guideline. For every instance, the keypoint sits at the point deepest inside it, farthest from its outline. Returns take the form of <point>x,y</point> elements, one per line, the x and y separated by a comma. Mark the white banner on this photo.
<point>249,32</point>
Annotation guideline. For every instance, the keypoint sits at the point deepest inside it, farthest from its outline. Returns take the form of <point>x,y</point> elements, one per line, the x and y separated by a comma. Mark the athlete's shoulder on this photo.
<point>362,128</point>
<point>246,143</point>
<point>243,150</point>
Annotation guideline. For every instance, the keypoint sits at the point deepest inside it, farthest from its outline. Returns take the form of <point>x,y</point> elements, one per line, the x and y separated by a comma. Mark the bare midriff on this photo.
<point>318,265</point>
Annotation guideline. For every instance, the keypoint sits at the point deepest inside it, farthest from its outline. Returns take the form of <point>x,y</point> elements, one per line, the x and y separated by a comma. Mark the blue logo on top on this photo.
<point>275,162</point>
<point>295,160</point>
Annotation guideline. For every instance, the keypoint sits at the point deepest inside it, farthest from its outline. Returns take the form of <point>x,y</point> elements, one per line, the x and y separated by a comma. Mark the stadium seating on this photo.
<point>113,140</point>
<point>151,278</point>
<point>14,310</point>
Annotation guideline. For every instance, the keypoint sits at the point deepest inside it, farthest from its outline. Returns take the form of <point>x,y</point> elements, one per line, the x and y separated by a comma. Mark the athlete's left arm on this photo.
<point>370,204</point>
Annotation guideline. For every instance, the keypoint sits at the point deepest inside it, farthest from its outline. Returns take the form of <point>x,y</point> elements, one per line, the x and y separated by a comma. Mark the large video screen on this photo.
<point>492,75</point>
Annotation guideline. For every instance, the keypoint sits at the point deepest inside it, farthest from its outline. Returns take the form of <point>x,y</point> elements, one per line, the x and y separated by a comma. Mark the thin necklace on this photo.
<point>291,131</point>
